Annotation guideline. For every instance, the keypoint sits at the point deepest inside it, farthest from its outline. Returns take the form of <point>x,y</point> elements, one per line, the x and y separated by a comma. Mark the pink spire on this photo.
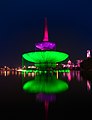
<point>45,31</point>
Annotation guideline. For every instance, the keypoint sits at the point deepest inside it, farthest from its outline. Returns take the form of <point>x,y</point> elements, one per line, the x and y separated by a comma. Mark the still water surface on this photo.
<point>74,103</point>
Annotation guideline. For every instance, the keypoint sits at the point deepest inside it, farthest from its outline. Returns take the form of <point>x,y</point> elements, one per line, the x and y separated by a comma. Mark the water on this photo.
<point>74,103</point>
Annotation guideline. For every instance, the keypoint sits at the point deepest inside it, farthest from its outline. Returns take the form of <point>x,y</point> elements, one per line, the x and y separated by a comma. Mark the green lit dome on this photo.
<point>45,56</point>
<point>45,84</point>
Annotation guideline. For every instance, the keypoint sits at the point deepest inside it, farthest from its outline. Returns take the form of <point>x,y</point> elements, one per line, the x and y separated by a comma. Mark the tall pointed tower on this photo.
<point>45,57</point>
<point>45,45</point>
<point>45,31</point>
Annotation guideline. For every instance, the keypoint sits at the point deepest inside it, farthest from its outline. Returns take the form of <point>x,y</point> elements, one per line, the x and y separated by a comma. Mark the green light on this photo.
<point>64,70</point>
<point>48,57</point>
<point>45,84</point>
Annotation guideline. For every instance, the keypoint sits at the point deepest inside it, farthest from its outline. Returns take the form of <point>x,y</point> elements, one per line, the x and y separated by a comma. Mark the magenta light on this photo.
<point>46,45</point>
<point>46,97</point>
<point>45,31</point>
<point>88,85</point>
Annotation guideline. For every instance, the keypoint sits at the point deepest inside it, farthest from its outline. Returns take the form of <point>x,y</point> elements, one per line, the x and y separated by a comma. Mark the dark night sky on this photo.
<point>22,23</point>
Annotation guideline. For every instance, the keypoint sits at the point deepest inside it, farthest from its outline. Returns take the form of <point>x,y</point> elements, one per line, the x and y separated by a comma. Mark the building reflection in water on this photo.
<point>68,75</point>
<point>4,73</point>
<point>57,74</point>
<point>73,74</point>
<point>88,85</point>
<point>78,76</point>
<point>13,72</point>
<point>46,99</point>
<point>45,85</point>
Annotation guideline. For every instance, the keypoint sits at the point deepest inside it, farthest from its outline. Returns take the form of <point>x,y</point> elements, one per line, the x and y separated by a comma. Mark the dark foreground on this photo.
<point>75,103</point>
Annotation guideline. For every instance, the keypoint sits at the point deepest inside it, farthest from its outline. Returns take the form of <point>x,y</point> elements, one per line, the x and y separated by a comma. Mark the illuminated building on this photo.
<point>88,54</point>
<point>45,45</point>
<point>45,57</point>
<point>78,63</point>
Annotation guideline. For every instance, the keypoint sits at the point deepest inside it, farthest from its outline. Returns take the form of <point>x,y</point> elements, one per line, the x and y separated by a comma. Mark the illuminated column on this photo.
<point>88,54</point>
<point>45,45</point>
<point>57,74</point>
<point>45,31</point>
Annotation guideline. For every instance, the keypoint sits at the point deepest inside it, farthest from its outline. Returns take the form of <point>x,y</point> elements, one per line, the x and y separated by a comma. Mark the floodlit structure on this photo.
<point>45,55</point>
<point>88,54</point>
<point>45,45</point>
<point>45,58</point>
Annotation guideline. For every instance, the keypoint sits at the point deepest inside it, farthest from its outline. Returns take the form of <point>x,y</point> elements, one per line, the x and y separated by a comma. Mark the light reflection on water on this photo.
<point>76,75</point>
<point>68,76</point>
<point>73,78</point>
<point>79,86</point>
<point>73,74</point>
<point>45,83</point>
<point>46,99</point>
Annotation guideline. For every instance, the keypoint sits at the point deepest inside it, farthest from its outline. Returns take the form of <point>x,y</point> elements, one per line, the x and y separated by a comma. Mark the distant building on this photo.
<point>68,65</point>
<point>78,63</point>
<point>88,54</point>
